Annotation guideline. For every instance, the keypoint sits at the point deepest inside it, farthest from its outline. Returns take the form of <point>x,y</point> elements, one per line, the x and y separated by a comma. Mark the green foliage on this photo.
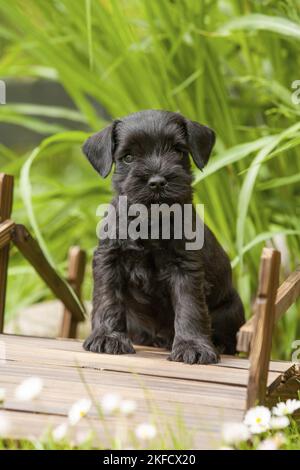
<point>229,64</point>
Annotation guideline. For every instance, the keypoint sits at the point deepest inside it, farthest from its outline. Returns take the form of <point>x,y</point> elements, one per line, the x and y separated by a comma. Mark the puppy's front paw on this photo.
<point>113,343</point>
<point>193,352</point>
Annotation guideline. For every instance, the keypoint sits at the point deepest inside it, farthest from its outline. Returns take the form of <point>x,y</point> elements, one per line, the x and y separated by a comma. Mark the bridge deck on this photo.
<point>205,396</point>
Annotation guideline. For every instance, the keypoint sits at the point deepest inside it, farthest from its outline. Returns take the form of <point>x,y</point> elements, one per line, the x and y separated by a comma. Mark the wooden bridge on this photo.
<point>204,395</point>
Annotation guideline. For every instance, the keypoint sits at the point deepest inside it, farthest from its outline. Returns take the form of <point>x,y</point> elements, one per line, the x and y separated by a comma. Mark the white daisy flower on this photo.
<point>2,395</point>
<point>258,419</point>
<point>267,444</point>
<point>287,408</point>
<point>5,425</point>
<point>110,403</point>
<point>145,431</point>
<point>279,422</point>
<point>60,432</point>
<point>29,389</point>
<point>234,433</point>
<point>79,410</point>
<point>127,407</point>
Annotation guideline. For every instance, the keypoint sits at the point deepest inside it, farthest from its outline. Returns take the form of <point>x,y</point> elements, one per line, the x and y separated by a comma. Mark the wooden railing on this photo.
<point>287,294</point>
<point>68,291</point>
<point>255,336</point>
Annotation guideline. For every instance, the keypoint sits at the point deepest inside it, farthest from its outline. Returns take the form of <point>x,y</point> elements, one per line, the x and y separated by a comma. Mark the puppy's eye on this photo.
<point>128,159</point>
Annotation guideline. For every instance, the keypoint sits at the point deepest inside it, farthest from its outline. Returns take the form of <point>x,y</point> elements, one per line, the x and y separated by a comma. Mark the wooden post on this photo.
<point>76,269</point>
<point>264,326</point>
<point>6,201</point>
<point>6,230</point>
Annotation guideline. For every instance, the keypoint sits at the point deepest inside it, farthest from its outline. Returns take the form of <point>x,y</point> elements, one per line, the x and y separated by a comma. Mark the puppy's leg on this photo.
<point>192,342</point>
<point>109,333</point>
<point>227,318</point>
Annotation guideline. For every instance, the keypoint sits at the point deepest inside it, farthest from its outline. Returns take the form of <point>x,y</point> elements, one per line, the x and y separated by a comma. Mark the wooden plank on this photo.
<point>287,294</point>
<point>265,319</point>
<point>6,201</point>
<point>32,252</point>
<point>143,351</point>
<point>136,363</point>
<point>245,335</point>
<point>63,385</point>
<point>6,196</point>
<point>76,270</point>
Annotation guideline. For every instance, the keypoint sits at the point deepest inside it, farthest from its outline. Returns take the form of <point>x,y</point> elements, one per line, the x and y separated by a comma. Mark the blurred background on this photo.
<point>71,66</point>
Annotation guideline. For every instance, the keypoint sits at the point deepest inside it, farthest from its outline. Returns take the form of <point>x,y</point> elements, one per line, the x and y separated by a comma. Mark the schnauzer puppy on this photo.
<point>156,292</point>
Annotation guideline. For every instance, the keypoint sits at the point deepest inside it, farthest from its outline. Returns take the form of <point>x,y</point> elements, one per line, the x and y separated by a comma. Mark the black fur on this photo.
<point>155,292</point>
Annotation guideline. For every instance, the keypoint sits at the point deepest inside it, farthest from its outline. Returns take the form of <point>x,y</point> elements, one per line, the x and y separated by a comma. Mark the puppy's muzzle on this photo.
<point>157,183</point>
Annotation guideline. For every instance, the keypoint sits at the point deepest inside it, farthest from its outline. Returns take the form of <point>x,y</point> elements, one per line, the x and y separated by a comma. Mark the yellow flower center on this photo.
<point>258,420</point>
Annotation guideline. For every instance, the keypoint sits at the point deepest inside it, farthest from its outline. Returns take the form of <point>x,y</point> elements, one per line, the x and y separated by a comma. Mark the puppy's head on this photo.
<point>150,150</point>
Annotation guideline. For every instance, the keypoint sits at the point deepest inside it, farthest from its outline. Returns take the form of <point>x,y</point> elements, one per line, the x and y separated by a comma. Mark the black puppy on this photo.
<point>155,292</point>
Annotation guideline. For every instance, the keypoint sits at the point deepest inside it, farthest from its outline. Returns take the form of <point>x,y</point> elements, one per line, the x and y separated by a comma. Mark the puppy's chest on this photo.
<point>145,271</point>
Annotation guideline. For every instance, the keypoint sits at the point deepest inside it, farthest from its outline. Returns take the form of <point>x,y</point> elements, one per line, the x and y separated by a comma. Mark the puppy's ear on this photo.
<point>99,149</point>
<point>201,140</point>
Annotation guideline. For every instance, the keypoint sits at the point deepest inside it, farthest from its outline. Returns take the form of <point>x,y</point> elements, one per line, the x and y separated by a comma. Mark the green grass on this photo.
<point>229,64</point>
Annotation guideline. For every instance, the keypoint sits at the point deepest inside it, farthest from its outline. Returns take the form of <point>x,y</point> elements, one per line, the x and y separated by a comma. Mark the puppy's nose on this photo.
<point>157,182</point>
